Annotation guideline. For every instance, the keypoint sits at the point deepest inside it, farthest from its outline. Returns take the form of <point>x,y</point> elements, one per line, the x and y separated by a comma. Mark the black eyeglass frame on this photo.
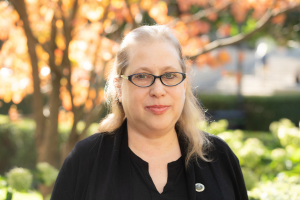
<point>155,77</point>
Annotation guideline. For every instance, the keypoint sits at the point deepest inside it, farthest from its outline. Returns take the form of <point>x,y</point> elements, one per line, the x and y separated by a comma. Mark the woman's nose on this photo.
<point>157,89</point>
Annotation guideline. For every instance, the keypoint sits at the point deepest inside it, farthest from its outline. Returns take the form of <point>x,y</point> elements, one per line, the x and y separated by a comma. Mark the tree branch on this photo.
<point>92,73</point>
<point>37,95</point>
<point>74,10</point>
<point>105,12</point>
<point>200,14</point>
<point>119,27</point>
<point>51,47</point>
<point>96,109</point>
<point>131,15</point>
<point>94,113</point>
<point>67,27</point>
<point>20,8</point>
<point>268,16</point>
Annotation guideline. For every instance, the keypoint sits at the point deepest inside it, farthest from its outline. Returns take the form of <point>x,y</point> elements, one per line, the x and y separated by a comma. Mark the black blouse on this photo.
<point>144,188</point>
<point>98,168</point>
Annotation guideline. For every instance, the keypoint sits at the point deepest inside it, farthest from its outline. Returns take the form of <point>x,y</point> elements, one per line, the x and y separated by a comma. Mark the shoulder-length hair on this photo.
<point>192,113</point>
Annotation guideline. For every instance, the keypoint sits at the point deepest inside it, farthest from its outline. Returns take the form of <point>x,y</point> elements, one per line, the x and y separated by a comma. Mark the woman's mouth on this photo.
<point>158,109</point>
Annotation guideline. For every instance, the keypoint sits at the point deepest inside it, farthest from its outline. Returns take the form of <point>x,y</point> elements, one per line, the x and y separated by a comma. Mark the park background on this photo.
<point>244,61</point>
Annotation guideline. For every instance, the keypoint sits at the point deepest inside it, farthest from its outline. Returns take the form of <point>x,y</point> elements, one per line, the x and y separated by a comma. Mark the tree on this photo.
<point>63,49</point>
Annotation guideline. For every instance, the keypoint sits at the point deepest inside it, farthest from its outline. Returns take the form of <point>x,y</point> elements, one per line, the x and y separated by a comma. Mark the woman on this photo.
<point>149,146</point>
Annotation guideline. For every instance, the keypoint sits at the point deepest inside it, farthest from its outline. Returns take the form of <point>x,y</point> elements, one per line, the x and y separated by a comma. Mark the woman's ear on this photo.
<point>117,85</point>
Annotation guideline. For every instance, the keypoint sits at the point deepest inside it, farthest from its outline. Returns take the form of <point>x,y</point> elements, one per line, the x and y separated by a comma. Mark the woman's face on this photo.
<point>157,107</point>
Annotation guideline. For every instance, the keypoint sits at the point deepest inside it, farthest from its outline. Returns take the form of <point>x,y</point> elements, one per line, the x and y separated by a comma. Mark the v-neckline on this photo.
<point>173,169</point>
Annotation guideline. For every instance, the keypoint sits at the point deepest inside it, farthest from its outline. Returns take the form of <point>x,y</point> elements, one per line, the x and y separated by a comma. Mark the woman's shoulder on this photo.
<point>216,140</point>
<point>90,143</point>
<point>90,140</point>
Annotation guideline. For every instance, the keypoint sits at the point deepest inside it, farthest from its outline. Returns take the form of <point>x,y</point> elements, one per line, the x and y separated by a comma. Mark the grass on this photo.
<point>32,195</point>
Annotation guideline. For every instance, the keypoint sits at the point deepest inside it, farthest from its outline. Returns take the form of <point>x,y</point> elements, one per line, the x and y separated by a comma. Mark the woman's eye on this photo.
<point>170,75</point>
<point>141,76</point>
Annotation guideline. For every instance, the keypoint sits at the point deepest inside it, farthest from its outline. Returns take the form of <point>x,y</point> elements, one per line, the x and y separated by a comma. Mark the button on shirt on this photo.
<point>144,188</point>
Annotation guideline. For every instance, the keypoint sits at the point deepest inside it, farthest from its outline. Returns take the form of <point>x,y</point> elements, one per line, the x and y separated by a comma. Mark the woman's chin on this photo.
<point>160,125</point>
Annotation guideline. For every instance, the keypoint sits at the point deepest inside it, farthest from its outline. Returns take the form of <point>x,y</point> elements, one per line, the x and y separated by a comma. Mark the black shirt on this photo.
<point>98,168</point>
<point>144,188</point>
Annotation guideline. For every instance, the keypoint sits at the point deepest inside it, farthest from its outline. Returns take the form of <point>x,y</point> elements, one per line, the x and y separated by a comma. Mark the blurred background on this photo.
<point>244,61</point>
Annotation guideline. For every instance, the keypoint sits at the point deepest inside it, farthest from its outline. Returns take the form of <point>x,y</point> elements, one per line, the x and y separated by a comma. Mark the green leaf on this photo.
<point>249,25</point>
<point>296,156</point>
<point>234,29</point>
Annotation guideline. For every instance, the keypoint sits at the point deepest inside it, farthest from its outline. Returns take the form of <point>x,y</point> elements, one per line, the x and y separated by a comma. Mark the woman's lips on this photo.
<point>157,110</point>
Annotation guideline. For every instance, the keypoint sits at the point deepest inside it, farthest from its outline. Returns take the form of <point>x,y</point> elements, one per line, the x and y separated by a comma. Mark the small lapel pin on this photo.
<point>199,187</point>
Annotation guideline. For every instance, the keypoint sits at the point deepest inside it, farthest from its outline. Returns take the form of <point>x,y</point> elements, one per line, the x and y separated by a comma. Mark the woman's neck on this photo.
<point>153,147</point>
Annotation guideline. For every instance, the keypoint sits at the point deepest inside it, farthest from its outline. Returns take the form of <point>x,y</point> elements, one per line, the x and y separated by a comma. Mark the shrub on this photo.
<point>250,178</point>
<point>214,127</point>
<point>287,132</point>
<point>19,179</point>
<point>233,139</point>
<point>47,173</point>
<point>281,188</point>
<point>251,153</point>
<point>278,154</point>
<point>3,182</point>
<point>259,111</point>
<point>17,144</point>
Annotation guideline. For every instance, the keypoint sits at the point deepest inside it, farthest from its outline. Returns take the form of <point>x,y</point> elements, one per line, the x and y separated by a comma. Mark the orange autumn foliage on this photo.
<point>95,35</point>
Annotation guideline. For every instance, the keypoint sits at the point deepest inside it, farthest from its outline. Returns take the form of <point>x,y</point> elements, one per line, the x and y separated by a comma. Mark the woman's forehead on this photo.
<point>158,55</point>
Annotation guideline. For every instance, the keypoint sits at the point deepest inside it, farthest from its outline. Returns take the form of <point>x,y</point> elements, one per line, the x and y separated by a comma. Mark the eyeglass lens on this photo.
<point>144,79</point>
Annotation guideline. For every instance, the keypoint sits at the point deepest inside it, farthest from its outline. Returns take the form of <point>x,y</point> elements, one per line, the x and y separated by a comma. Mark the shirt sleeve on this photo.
<point>229,164</point>
<point>240,179</point>
<point>65,184</point>
<point>72,180</point>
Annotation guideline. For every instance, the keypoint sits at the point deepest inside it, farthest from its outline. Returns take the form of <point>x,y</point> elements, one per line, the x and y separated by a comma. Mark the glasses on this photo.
<point>146,80</point>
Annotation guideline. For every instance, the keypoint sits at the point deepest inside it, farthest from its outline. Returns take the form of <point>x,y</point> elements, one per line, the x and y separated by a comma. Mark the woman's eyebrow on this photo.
<point>142,69</point>
<point>170,68</point>
<point>148,69</point>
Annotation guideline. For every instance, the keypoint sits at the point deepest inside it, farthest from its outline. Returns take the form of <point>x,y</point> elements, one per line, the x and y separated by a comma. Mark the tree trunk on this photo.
<point>73,137</point>
<point>45,191</point>
<point>240,98</point>
<point>50,150</point>
<point>37,103</point>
